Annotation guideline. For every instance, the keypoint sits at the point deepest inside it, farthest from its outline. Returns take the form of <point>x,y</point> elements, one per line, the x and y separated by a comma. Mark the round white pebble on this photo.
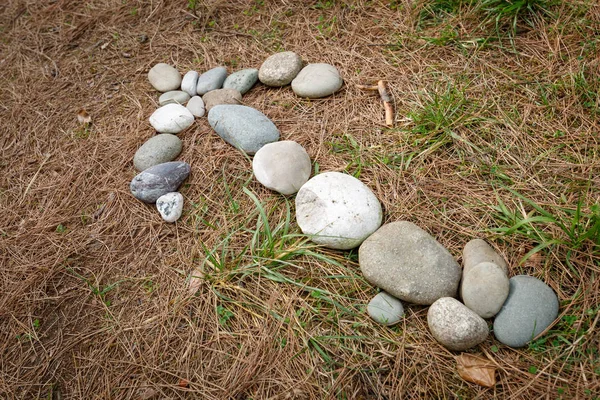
<point>170,206</point>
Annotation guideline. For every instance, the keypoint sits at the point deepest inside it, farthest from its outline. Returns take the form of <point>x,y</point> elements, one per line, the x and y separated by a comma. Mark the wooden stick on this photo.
<point>387,104</point>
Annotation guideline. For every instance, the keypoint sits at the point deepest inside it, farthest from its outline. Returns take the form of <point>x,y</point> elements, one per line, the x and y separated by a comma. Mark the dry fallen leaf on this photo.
<point>184,383</point>
<point>476,369</point>
<point>83,117</point>
<point>195,282</point>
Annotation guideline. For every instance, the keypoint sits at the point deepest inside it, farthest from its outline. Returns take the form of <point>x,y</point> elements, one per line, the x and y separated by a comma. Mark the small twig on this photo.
<point>385,97</point>
<point>34,177</point>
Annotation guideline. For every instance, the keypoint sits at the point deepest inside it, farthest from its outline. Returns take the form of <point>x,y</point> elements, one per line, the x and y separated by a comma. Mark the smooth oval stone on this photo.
<point>170,206</point>
<point>484,289</point>
<point>196,106</point>
<point>172,118</point>
<point>531,306</point>
<point>189,83</point>
<point>317,80</point>
<point>385,309</point>
<point>157,180</point>
<point>454,325</point>
<point>173,97</point>
<point>221,96</point>
<point>280,69</point>
<point>211,80</point>
<point>282,166</point>
<point>164,77</point>
<point>477,251</point>
<point>337,210</point>
<point>409,263</point>
<point>243,127</point>
<point>157,150</point>
<point>242,81</point>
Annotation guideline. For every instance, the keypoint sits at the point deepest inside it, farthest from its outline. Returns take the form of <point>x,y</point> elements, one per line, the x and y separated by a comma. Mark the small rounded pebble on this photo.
<point>157,150</point>
<point>242,81</point>
<point>211,80</point>
<point>477,251</point>
<point>170,206</point>
<point>221,96</point>
<point>164,77</point>
<point>317,80</point>
<point>280,69</point>
<point>189,83</point>
<point>173,97</point>
<point>172,118</point>
<point>196,106</point>
<point>385,309</point>
<point>282,166</point>
<point>484,289</point>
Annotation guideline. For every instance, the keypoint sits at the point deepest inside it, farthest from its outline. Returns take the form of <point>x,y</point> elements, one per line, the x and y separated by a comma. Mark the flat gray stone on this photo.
<point>157,180</point>
<point>211,80</point>
<point>409,264</point>
<point>172,118</point>
<point>317,80</point>
<point>173,97</point>
<point>477,251</point>
<point>455,326</point>
<point>243,127</point>
<point>280,69</point>
<point>531,306</point>
<point>282,166</point>
<point>221,96</point>
<point>157,150</point>
<point>385,309</point>
<point>242,81</point>
<point>190,82</point>
<point>164,77</point>
<point>196,106</point>
<point>170,206</point>
<point>484,289</point>
<point>337,210</point>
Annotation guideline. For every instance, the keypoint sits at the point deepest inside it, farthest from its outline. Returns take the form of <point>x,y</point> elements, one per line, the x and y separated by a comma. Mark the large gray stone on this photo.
<point>409,263</point>
<point>211,80</point>
<point>337,210</point>
<point>282,166</point>
<point>385,309</point>
<point>531,306</point>
<point>317,80</point>
<point>484,289</point>
<point>221,96</point>
<point>242,81</point>
<point>160,179</point>
<point>173,97</point>
<point>172,118</point>
<point>157,150</point>
<point>280,69</point>
<point>455,326</point>
<point>477,251</point>
<point>243,127</point>
<point>164,77</point>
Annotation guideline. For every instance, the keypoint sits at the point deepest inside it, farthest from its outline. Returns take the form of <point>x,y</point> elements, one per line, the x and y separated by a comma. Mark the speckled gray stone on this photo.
<point>385,309</point>
<point>189,83</point>
<point>282,166</point>
<point>172,118</point>
<point>221,96</point>
<point>242,81</point>
<point>317,80</point>
<point>455,326</point>
<point>164,77</point>
<point>196,106</point>
<point>173,97</point>
<point>477,251</point>
<point>409,264</point>
<point>280,69</point>
<point>157,150</point>
<point>531,306</point>
<point>211,80</point>
<point>243,127</point>
<point>160,179</point>
<point>337,210</point>
<point>484,289</point>
<point>170,206</point>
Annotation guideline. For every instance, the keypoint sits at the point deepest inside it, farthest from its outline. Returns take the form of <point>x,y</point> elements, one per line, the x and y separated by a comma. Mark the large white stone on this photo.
<point>172,118</point>
<point>164,77</point>
<point>170,206</point>
<point>282,166</point>
<point>317,80</point>
<point>337,210</point>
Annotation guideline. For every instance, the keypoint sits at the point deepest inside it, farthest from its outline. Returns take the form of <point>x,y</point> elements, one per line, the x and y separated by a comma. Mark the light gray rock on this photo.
<point>484,289</point>
<point>164,77</point>
<point>243,127</point>
<point>157,150</point>
<point>454,325</point>
<point>172,118</point>
<point>337,210</point>
<point>160,179</point>
<point>170,206</point>
<point>409,264</point>
<point>221,96</point>
<point>211,80</point>
<point>280,69</point>
<point>531,306</point>
<point>190,82</point>
<point>242,81</point>
<point>282,166</point>
<point>385,309</point>
<point>196,106</point>
<point>477,251</point>
<point>173,97</point>
<point>317,80</point>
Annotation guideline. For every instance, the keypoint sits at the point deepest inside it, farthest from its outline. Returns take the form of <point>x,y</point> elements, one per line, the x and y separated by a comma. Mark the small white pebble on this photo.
<point>170,206</point>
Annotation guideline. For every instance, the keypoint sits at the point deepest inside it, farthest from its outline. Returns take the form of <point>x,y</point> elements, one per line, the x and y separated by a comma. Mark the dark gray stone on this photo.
<point>211,80</point>
<point>242,81</point>
<point>160,179</point>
